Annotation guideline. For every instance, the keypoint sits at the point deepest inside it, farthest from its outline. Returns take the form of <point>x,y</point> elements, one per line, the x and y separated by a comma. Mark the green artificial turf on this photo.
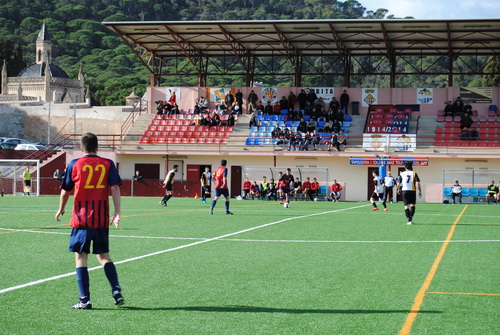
<point>314,268</point>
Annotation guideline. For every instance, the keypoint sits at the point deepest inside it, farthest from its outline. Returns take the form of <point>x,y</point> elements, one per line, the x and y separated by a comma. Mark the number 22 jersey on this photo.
<point>91,177</point>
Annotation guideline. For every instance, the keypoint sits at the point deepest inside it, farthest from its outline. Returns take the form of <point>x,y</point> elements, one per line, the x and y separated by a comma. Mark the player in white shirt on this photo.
<point>409,183</point>
<point>378,192</point>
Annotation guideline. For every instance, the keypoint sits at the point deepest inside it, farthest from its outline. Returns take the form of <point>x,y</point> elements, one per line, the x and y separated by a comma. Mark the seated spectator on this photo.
<point>473,134</point>
<point>464,134</point>
<point>215,119</point>
<point>328,127</point>
<point>58,175</point>
<point>288,117</point>
<point>307,141</point>
<point>276,133</point>
<point>308,108</point>
<point>316,140</point>
<point>231,121</point>
<point>336,126</point>
<point>263,188</point>
<point>235,108</point>
<point>448,109</point>
<point>315,187</point>
<point>276,108</point>
<point>254,120</point>
<point>302,127</point>
<point>268,109</point>
<point>260,107</point>
<point>272,190</point>
<point>332,142</point>
<point>311,125</point>
<point>306,187</point>
<point>467,108</point>
<point>137,175</point>
<point>335,193</point>
<point>466,121</point>
<point>458,107</point>
<point>221,108</point>
<point>334,105</point>
<point>293,141</point>
<point>254,191</point>
<point>341,140</point>
<point>456,191</point>
<point>246,188</point>
<point>197,120</point>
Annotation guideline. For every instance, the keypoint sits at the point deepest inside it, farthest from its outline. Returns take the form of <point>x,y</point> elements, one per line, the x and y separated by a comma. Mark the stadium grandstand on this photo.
<point>384,126</point>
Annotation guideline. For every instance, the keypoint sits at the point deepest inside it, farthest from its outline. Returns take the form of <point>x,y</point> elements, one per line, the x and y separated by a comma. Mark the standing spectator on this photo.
<point>409,183</point>
<point>389,183</point>
<point>206,184</point>
<point>292,100</point>
<point>229,99</point>
<point>168,185</point>
<point>221,187</point>
<point>92,226</point>
<point>492,192</point>
<point>302,98</point>
<point>456,191</point>
<point>58,175</point>
<point>239,100</point>
<point>173,98</point>
<point>247,185</point>
<point>137,176</point>
<point>27,182</point>
<point>344,101</point>
<point>335,194</point>
<point>252,101</point>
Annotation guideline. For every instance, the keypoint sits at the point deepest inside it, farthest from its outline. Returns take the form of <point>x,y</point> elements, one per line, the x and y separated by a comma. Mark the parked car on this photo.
<point>30,147</point>
<point>11,143</point>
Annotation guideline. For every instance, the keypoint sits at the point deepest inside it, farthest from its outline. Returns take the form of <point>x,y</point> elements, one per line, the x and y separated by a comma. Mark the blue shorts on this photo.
<point>222,191</point>
<point>80,239</point>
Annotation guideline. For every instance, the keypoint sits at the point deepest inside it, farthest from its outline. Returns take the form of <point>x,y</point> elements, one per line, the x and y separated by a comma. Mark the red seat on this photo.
<point>448,124</point>
<point>209,140</point>
<point>483,143</point>
<point>438,143</point>
<point>439,130</point>
<point>144,139</point>
<point>440,118</point>
<point>439,136</point>
<point>408,110</point>
<point>473,143</point>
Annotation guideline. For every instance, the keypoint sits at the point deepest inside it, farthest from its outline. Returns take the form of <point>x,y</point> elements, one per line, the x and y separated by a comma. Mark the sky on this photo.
<point>437,9</point>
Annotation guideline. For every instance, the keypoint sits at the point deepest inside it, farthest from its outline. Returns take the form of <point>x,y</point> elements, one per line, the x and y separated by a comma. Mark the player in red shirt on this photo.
<point>247,185</point>
<point>335,194</point>
<point>220,178</point>
<point>314,190</point>
<point>284,184</point>
<point>92,177</point>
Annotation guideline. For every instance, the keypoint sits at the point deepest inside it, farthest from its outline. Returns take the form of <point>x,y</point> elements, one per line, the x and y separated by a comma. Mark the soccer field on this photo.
<point>313,268</point>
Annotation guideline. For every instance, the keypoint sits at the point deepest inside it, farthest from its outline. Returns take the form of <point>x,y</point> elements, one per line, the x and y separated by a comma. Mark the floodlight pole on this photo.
<point>48,128</point>
<point>74,120</point>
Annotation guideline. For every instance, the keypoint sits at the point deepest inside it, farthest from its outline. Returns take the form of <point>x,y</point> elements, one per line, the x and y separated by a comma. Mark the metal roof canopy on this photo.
<point>157,42</point>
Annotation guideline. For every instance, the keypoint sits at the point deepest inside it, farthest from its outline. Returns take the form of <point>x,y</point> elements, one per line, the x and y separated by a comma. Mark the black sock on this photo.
<point>384,204</point>
<point>407,213</point>
<point>374,204</point>
<point>412,211</point>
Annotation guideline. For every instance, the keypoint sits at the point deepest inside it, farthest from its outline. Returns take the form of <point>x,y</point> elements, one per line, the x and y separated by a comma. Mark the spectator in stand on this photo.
<point>260,108</point>
<point>319,104</point>
<point>288,117</point>
<point>263,188</point>
<point>173,98</point>
<point>456,191</point>
<point>297,188</point>
<point>58,175</point>
<point>306,188</point>
<point>252,101</point>
<point>458,107</point>
<point>239,100</point>
<point>254,191</point>
<point>268,109</point>
<point>332,142</point>
<point>466,121</point>
<point>311,125</point>
<point>341,140</point>
<point>464,134</point>
<point>493,192</point>
<point>312,97</point>
<point>334,105</point>
<point>448,109</point>
<point>276,108</point>
<point>328,128</point>
<point>283,103</point>
<point>344,101</point>
<point>315,187</point>
<point>229,99</point>
<point>246,188</point>
<point>137,175</point>
<point>292,100</point>
<point>254,120</point>
<point>294,140</point>
<point>336,128</point>
<point>302,127</point>
<point>307,141</point>
<point>231,120</point>
<point>473,134</point>
<point>215,119</point>
<point>467,108</point>
<point>335,193</point>
<point>203,104</point>
<point>221,108</point>
<point>235,109</point>
<point>302,98</point>
<point>308,108</point>
<point>316,140</point>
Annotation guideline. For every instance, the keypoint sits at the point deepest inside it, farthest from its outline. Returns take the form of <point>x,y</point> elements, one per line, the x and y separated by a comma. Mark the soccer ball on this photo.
<point>286,205</point>
<point>315,199</point>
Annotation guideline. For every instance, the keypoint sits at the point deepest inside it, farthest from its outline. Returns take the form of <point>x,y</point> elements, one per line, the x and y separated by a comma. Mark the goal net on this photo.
<point>13,174</point>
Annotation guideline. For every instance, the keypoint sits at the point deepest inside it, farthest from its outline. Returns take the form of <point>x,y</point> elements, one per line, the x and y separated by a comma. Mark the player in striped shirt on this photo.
<point>409,183</point>
<point>92,178</point>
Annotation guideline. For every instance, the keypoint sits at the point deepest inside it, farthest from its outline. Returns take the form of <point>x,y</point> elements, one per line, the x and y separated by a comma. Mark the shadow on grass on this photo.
<point>255,309</point>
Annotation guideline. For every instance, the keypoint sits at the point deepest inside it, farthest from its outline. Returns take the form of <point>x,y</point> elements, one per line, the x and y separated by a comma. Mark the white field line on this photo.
<point>253,240</point>
<point>36,282</point>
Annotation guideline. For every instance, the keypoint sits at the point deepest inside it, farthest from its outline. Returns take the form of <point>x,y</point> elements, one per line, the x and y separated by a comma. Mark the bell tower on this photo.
<point>43,47</point>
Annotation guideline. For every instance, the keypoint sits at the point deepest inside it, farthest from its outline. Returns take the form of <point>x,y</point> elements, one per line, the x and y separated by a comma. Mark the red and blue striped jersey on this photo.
<point>219,175</point>
<point>91,177</point>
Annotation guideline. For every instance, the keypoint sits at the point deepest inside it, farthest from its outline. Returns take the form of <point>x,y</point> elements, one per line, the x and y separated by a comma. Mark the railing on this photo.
<point>136,112</point>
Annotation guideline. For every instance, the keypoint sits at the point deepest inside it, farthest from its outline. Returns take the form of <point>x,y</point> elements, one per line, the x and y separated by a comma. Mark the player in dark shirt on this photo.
<point>284,183</point>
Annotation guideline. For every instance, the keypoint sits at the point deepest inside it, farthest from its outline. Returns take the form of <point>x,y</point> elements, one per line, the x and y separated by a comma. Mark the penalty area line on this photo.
<point>40,281</point>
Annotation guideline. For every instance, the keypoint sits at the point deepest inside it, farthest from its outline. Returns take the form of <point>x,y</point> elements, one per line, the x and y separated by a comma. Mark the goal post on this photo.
<point>11,175</point>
